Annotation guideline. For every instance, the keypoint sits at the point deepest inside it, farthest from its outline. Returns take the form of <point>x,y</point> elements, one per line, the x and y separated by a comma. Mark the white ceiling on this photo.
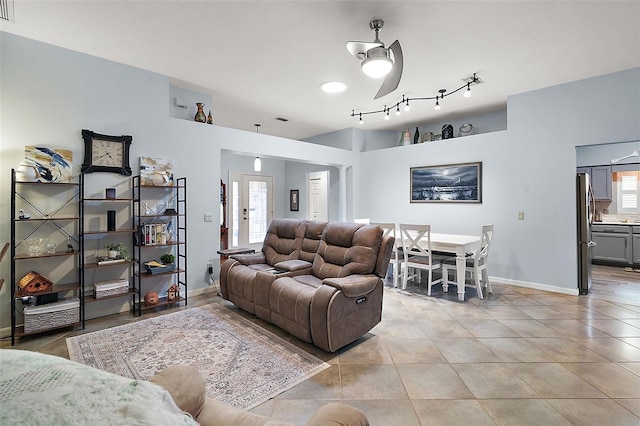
<point>266,59</point>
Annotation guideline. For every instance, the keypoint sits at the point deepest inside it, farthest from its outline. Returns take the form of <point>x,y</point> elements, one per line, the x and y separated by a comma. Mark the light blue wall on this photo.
<point>49,94</point>
<point>530,167</point>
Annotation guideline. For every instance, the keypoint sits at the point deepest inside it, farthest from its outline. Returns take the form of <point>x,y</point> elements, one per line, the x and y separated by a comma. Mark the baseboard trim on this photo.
<point>535,286</point>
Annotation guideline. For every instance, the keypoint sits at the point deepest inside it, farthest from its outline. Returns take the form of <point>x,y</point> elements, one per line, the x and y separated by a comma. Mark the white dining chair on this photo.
<point>416,249</point>
<point>363,221</point>
<point>476,264</point>
<point>389,230</point>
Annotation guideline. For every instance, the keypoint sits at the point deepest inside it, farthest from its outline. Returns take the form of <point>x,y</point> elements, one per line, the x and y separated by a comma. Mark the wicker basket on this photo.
<point>110,288</point>
<point>51,315</point>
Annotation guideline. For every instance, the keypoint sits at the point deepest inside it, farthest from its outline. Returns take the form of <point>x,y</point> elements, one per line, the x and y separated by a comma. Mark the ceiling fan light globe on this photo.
<point>377,63</point>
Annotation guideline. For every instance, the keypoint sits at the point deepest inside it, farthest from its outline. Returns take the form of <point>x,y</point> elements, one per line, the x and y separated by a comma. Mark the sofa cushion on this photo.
<point>283,240</point>
<point>311,241</point>
<point>346,249</point>
<point>290,302</point>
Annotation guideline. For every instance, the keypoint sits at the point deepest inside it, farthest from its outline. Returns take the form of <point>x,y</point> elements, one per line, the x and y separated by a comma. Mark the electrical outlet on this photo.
<point>210,268</point>
<point>520,215</point>
<point>208,217</point>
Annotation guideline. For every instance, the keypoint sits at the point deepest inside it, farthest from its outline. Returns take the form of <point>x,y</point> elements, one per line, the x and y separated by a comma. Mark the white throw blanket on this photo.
<point>38,389</point>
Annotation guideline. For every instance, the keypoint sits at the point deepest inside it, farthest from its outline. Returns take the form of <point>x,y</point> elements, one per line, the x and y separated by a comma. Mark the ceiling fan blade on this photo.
<point>392,79</point>
<point>359,48</point>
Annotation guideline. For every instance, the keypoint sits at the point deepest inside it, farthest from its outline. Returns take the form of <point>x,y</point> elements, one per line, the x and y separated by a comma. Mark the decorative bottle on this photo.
<point>200,115</point>
<point>209,118</point>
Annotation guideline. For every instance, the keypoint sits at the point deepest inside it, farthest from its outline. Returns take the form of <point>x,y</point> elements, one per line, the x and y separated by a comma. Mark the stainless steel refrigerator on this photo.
<point>585,209</point>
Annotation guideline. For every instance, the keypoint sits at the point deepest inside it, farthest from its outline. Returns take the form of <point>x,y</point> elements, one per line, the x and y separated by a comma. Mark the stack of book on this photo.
<point>153,234</point>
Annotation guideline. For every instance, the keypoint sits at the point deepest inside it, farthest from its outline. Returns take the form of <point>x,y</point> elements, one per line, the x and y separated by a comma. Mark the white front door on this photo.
<point>318,184</point>
<point>251,209</point>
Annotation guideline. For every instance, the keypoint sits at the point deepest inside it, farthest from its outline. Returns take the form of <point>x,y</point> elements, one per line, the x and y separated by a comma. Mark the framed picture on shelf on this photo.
<point>451,183</point>
<point>294,198</point>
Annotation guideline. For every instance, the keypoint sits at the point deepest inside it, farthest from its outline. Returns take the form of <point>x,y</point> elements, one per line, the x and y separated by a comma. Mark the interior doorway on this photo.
<point>318,200</point>
<point>250,202</point>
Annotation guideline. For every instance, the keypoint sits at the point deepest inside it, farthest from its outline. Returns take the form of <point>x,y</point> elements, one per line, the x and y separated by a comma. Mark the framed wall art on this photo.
<point>294,199</point>
<point>156,171</point>
<point>49,164</point>
<point>451,183</point>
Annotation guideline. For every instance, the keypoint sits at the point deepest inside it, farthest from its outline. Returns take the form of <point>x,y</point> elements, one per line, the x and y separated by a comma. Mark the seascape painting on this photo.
<point>453,183</point>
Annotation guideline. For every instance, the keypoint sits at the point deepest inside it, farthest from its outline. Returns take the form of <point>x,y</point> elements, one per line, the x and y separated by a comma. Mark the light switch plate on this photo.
<point>520,215</point>
<point>208,217</point>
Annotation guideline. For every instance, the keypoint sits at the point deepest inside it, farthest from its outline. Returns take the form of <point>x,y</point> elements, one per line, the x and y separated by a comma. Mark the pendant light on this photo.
<point>257,163</point>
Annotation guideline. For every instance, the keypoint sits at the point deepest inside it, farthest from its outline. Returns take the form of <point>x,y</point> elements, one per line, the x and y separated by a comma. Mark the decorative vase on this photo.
<point>209,118</point>
<point>447,131</point>
<point>416,136</point>
<point>200,116</point>
<point>113,254</point>
<point>27,173</point>
<point>406,138</point>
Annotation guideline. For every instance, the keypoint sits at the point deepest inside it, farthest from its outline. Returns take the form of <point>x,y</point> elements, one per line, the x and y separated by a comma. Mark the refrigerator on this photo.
<point>585,209</point>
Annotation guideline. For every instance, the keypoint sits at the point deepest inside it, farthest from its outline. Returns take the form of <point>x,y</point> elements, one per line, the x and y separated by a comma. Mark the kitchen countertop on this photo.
<point>617,223</point>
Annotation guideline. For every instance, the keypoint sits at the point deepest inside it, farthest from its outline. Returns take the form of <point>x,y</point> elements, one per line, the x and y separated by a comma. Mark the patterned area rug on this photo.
<point>243,364</point>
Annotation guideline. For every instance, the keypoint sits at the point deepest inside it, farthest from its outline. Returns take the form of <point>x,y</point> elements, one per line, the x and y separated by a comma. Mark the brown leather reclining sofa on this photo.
<point>319,281</point>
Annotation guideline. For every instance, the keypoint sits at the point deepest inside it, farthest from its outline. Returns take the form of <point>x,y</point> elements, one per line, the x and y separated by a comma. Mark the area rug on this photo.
<point>243,365</point>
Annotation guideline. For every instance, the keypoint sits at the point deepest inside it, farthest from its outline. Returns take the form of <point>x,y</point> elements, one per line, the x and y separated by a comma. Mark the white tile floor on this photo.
<point>520,356</point>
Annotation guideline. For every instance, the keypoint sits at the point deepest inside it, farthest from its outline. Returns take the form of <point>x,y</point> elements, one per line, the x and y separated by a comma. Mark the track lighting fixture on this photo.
<point>467,93</point>
<point>442,93</point>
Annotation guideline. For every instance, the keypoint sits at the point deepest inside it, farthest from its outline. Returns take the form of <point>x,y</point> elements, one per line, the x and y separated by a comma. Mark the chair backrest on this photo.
<point>416,240</point>
<point>485,242</point>
<point>389,230</point>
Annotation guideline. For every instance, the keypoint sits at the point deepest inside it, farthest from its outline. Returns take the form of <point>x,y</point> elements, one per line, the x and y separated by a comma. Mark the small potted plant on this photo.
<point>117,251</point>
<point>168,259</point>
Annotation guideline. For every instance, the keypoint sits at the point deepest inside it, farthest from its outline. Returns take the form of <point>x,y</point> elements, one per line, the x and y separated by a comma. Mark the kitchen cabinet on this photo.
<point>600,178</point>
<point>611,247</point>
<point>616,244</point>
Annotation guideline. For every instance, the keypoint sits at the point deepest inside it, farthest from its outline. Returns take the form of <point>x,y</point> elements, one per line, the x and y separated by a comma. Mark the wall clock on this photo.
<point>104,153</point>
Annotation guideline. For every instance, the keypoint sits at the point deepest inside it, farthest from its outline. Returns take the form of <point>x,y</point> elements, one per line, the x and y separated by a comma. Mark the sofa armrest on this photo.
<point>250,258</point>
<point>292,265</point>
<point>337,414</point>
<point>353,285</point>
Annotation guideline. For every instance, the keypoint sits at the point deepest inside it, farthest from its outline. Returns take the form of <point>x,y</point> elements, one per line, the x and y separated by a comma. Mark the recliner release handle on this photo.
<point>361,300</point>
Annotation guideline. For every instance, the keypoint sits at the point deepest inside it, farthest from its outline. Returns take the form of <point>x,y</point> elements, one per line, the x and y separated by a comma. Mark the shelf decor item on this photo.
<point>117,251</point>
<point>34,283</point>
<point>156,172</point>
<point>200,116</point>
<point>105,153</point>
<point>154,267</point>
<point>102,289</point>
<point>151,298</point>
<point>111,220</point>
<point>452,183</point>
<point>209,118</point>
<point>173,293</point>
<point>35,245</point>
<point>51,315</point>
<point>51,165</point>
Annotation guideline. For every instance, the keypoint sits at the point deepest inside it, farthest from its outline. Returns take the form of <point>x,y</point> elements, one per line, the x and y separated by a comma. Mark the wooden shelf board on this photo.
<point>57,288</point>
<point>163,302</point>
<point>146,275</point>
<point>91,299</point>
<point>95,265</point>
<point>19,331</point>
<point>24,256</point>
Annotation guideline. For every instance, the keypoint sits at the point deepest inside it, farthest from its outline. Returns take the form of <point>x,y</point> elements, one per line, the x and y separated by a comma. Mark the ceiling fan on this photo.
<point>378,61</point>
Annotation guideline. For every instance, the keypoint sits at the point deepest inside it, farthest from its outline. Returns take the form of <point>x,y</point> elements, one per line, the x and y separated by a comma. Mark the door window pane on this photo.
<point>257,211</point>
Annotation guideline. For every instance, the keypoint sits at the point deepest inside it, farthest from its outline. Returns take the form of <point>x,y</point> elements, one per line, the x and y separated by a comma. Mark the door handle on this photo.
<point>591,244</point>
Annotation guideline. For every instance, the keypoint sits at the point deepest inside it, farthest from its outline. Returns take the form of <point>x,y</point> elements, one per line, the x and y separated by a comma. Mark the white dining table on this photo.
<point>460,245</point>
